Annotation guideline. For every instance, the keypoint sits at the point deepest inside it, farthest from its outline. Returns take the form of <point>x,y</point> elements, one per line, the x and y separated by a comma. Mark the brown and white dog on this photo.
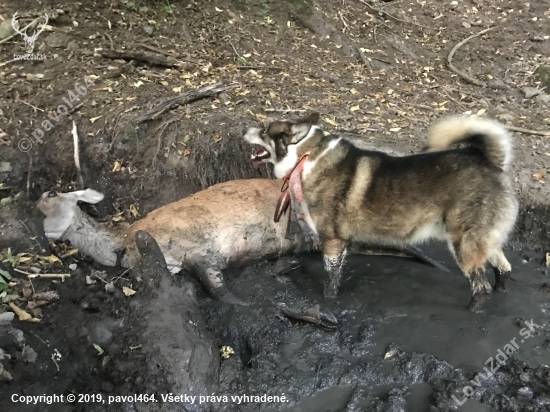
<point>460,195</point>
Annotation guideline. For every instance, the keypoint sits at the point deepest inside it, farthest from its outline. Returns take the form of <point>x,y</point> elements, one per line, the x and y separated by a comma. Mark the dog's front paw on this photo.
<point>477,302</point>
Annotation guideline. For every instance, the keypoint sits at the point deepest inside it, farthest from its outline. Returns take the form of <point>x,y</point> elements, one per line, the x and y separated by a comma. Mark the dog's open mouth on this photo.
<point>259,156</point>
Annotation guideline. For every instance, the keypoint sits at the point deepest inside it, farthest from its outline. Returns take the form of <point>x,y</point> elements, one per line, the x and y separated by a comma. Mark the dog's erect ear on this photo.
<point>298,132</point>
<point>312,119</point>
<point>301,128</point>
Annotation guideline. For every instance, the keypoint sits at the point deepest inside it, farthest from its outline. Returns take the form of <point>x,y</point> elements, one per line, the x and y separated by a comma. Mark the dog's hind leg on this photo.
<point>471,257</point>
<point>334,254</point>
<point>501,267</point>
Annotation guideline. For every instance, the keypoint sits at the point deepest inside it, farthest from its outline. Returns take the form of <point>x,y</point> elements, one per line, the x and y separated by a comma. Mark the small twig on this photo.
<point>74,109</point>
<point>114,279</point>
<point>363,58</point>
<point>527,131</point>
<point>155,49</point>
<point>465,76</point>
<point>111,40</point>
<point>39,338</point>
<point>234,49</point>
<point>380,60</point>
<point>70,253</point>
<point>29,175</point>
<point>61,276</point>
<point>30,105</point>
<point>160,131</point>
<point>8,62</point>
<point>382,13</point>
<point>259,68</point>
<point>420,106</point>
<point>454,100</point>
<point>77,158</point>
<point>346,27</point>
<point>284,110</point>
<point>97,277</point>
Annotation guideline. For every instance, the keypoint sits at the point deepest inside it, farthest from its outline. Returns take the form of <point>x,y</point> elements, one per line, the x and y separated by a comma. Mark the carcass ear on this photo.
<point>89,196</point>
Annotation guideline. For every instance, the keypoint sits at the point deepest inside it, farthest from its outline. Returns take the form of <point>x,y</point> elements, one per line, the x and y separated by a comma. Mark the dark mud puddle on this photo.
<point>405,340</point>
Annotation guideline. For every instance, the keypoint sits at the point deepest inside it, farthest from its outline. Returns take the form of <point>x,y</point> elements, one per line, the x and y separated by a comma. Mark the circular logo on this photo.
<point>24,144</point>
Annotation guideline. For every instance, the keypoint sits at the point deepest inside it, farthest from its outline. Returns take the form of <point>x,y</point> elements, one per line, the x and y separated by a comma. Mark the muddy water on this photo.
<point>405,339</point>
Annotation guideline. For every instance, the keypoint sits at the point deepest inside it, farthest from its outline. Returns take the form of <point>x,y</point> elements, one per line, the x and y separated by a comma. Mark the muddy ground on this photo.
<point>289,55</point>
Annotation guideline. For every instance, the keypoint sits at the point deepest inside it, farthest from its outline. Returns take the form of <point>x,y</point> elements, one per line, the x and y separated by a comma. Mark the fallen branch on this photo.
<point>185,98</point>
<point>383,14</point>
<point>61,276</point>
<point>462,74</point>
<point>143,56</point>
<point>527,131</point>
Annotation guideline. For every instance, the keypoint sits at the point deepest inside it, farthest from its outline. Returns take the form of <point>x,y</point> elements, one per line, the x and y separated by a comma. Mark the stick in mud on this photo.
<point>80,181</point>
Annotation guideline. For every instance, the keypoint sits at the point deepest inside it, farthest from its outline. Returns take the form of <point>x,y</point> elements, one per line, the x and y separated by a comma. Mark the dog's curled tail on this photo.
<point>488,135</point>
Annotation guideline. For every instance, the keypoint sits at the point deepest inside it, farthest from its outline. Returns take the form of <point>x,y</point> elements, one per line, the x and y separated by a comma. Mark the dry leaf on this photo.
<point>137,84</point>
<point>272,94</point>
<point>354,108</point>
<point>331,122</point>
<point>539,176</point>
<point>548,259</point>
<point>52,259</point>
<point>118,218</point>
<point>109,24</point>
<point>128,291</point>
<point>117,166</point>
<point>133,210</point>
<point>22,315</point>
<point>481,111</point>
<point>93,119</point>
<point>164,83</point>
<point>395,129</point>
<point>217,138</point>
<point>218,10</point>
<point>490,76</point>
<point>353,91</point>
<point>177,89</point>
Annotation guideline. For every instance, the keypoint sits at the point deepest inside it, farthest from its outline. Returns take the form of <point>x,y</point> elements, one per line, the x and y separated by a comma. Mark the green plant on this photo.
<point>5,278</point>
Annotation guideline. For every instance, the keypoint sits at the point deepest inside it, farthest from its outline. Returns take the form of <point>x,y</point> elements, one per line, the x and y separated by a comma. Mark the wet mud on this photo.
<point>405,339</point>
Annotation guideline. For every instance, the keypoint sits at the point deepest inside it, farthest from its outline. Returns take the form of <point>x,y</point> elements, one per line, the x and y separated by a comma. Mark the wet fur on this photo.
<point>460,195</point>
